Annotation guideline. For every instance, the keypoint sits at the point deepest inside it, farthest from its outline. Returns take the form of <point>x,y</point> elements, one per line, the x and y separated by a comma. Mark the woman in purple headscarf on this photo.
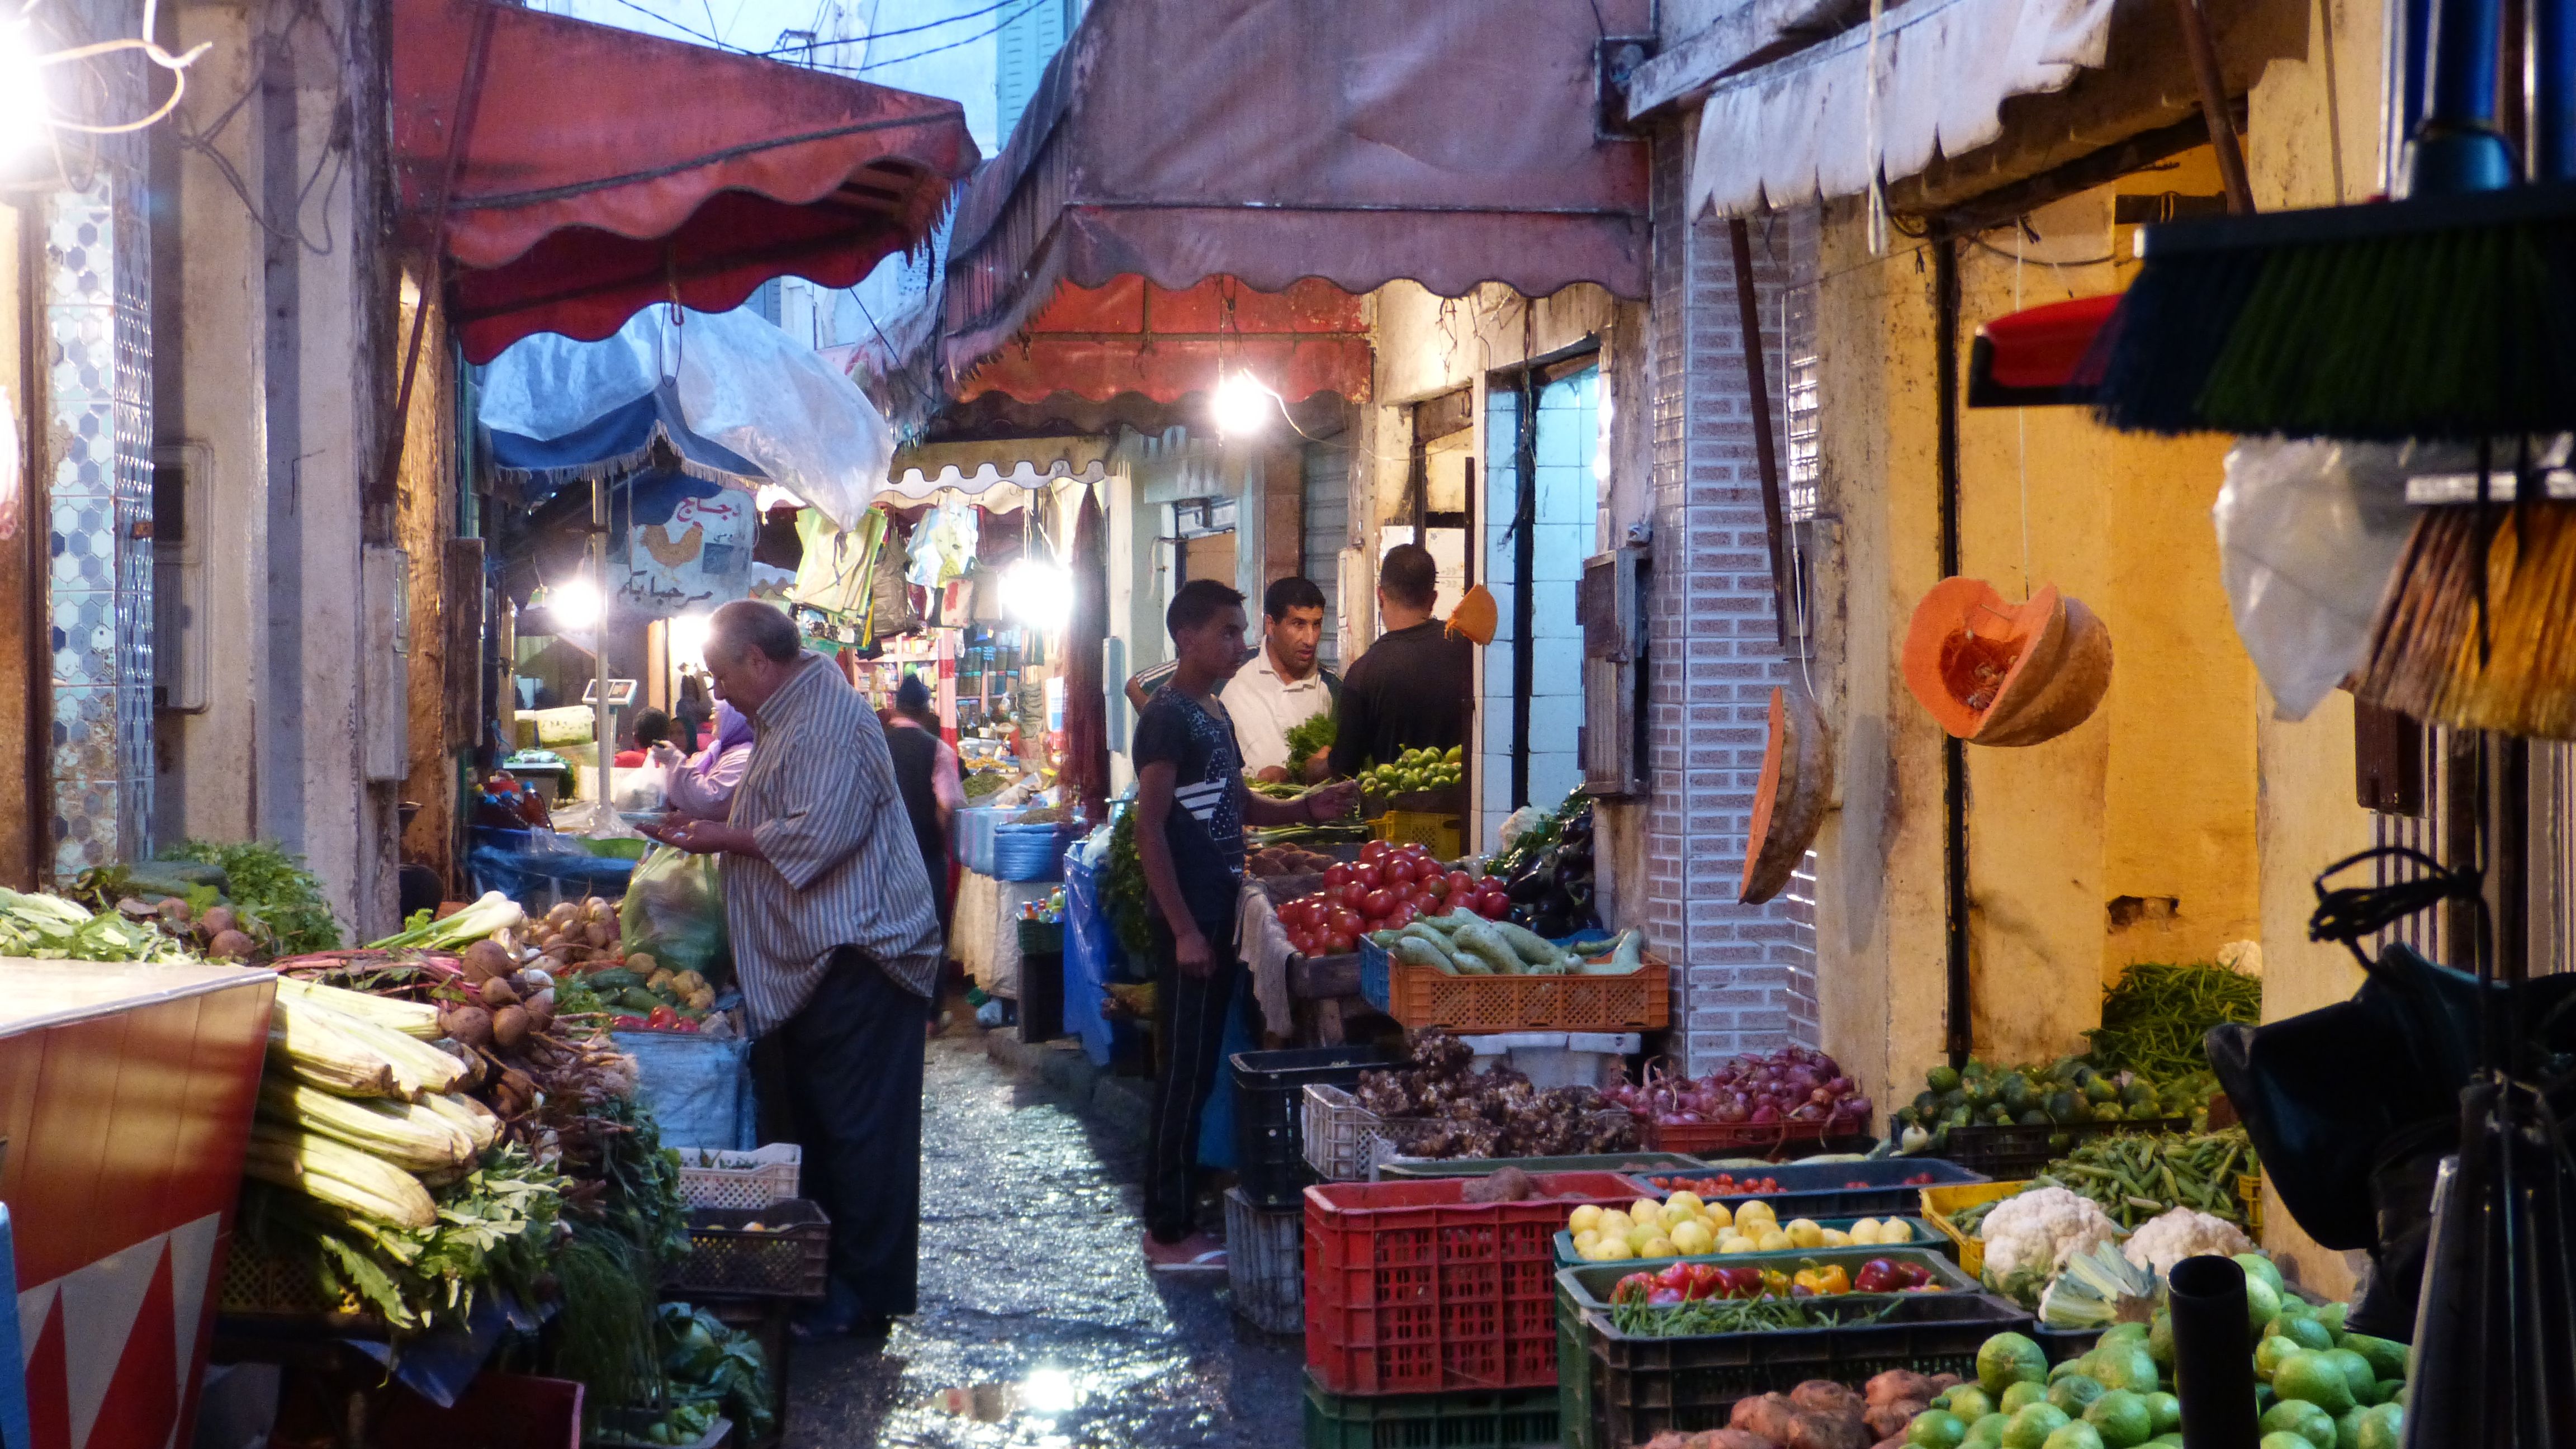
<point>701,786</point>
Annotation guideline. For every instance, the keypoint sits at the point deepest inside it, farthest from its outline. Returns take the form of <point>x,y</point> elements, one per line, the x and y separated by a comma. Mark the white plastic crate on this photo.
<point>1341,1135</point>
<point>1263,1258</point>
<point>713,1177</point>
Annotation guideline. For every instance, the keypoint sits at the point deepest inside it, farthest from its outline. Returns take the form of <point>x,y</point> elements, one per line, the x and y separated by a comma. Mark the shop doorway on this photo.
<point>1542,500</point>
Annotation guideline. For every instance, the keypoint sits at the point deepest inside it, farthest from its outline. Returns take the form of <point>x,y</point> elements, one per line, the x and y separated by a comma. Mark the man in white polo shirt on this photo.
<point>1283,686</point>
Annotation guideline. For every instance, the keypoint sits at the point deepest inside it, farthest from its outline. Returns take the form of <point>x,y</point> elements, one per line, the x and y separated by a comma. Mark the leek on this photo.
<point>338,1174</point>
<point>494,912</point>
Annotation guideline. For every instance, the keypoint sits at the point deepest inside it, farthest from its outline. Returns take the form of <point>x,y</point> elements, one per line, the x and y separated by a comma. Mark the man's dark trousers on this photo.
<point>1189,1014</point>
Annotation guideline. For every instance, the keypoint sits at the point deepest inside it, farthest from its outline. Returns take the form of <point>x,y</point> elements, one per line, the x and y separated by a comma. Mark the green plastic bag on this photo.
<point>674,911</point>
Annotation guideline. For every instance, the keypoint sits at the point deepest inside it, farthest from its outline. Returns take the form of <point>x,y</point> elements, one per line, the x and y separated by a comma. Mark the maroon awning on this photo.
<point>1134,337</point>
<point>603,170</point>
<point>1355,143</point>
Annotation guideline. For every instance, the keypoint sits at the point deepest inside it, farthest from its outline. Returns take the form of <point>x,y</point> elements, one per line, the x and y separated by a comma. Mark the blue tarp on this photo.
<point>618,439</point>
<point>699,1087</point>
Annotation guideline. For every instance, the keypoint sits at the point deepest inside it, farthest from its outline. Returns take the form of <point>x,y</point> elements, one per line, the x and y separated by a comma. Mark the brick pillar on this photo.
<point>1747,972</point>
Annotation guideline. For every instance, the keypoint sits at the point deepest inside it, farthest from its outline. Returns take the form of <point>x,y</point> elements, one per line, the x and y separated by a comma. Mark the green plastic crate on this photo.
<point>1474,1419</point>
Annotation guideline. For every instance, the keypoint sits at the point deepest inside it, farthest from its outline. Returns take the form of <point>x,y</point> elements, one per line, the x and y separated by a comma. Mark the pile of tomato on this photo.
<point>1685,1282</point>
<point>1725,1184</point>
<point>664,1018</point>
<point>1920,1179</point>
<point>1390,885</point>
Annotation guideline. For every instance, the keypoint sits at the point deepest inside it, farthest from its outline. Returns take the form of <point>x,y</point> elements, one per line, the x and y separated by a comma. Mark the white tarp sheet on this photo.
<point>1799,128</point>
<point>742,383</point>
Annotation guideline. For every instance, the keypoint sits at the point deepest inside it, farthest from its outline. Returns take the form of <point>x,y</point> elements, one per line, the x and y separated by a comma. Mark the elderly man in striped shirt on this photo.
<point>837,945</point>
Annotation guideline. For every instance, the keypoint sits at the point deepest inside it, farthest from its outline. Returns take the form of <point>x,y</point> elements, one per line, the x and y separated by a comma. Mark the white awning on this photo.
<point>993,471</point>
<point>912,485</point>
<point>1799,128</point>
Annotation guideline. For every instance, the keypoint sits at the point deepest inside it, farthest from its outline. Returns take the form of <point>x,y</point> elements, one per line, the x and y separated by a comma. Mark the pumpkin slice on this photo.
<point>1789,804</point>
<point>1475,617</point>
<point>2000,673</point>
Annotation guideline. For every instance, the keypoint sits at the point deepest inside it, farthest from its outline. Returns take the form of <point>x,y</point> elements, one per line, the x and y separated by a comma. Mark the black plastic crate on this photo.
<point>1640,1387</point>
<point>2010,1154</point>
<point>2060,1344</point>
<point>1269,1134</point>
<point>1473,1419</point>
<point>1826,1189</point>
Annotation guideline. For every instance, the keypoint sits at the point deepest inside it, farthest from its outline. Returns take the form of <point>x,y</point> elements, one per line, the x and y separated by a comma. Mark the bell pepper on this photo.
<point>1705,1282</point>
<point>1633,1288</point>
<point>1878,1275</point>
<point>1775,1284</point>
<point>1823,1282</point>
<point>1664,1297</point>
<point>1913,1275</point>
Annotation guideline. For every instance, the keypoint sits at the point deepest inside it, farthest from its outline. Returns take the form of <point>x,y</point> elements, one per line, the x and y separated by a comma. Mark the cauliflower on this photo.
<point>2027,1236</point>
<point>2161,1242</point>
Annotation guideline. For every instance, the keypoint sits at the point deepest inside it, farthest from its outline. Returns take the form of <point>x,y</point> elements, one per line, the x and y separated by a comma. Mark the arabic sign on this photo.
<point>700,555</point>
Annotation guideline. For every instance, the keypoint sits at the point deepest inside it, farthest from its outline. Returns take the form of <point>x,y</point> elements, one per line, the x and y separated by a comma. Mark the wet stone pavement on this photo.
<point>1040,1324</point>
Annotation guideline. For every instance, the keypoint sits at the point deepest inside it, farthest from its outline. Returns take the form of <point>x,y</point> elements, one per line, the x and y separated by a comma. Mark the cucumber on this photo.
<point>612,981</point>
<point>636,998</point>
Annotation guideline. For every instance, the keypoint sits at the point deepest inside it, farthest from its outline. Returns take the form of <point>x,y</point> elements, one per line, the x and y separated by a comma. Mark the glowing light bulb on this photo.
<point>23,116</point>
<point>1242,405</point>
<point>574,604</point>
<point>689,641</point>
<point>1038,594</point>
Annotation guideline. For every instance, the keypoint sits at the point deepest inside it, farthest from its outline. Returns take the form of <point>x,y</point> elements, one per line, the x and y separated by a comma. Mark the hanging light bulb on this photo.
<point>1241,405</point>
<point>689,641</point>
<point>574,603</point>
<point>23,118</point>
<point>1038,594</point>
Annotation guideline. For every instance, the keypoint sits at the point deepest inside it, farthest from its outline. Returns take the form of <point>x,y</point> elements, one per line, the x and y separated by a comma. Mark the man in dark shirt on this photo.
<point>1409,691</point>
<point>1191,808</point>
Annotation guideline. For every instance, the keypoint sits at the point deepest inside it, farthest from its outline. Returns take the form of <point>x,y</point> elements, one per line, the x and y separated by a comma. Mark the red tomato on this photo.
<point>1346,922</point>
<point>1459,880</point>
<point>1426,901</point>
<point>1371,876</point>
<point>1377,904</point>
<point>1399,870</point>
<point>1339,943</point>
<point>1292,915</point>
<point>1405,914</point>
<point>1336,875</point>
<point>1370,852</point>
<point>1493,905</point>
<point>1348,893</point>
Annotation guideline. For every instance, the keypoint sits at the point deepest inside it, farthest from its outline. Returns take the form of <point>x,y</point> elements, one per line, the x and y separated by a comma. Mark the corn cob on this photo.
<point>411,1018</point>
<point>340,1043</point>
<point>406,1135</point>
<point>465,1112</point>
<point>340,1175</point>
<point>308,1042</point>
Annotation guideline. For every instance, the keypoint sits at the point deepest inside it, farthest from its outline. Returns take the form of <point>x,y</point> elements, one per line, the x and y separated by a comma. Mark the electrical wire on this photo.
<point>954,44</point>
<point>691,32</point>
<point>812,45</point>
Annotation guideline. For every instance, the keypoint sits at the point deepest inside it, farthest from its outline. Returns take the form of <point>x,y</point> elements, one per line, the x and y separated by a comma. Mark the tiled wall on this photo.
<point>1747,984</point>
<point>99,587</point>
<point>1569,422</point>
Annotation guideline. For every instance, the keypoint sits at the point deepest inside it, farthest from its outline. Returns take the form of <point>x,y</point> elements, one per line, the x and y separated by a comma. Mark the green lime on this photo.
<point>2073,1392</point>
<point>2101,1091</point>
<point>2121,1418</point>
<point>2348,1429</point>
<point>1968,1401</point>
<point>2382,1427</point>
<point>1942,1079</point>
<point>2332,1315</point>
<point>2357,1372</point>
<point>2020,1396</point>
<point>2290,1416</point>
<point>2078,1435</point>
<point>2125,1366</point>
<point>2072,1366</point>
<point>2124,1332</point>
<point>2165,1412</point>
<point>2258,1266</point>
<point>2316,1378</point>
<point>2009,1358</point>
<point>2271,1351</point>
<point>2160,1340</point>
<point>2286,1441</point>
<point>2387,1360</point>
<point>1936,1429</point>
<point>1988,1432</point>
<point>2305,1332</point>
<point>2031,1427</point>
<point>2262,1303</point>
<point>2387,1391</point>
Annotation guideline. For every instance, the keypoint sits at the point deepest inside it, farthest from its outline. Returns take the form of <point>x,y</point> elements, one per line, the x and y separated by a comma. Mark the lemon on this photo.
<point>1806,1233</point>
<point>1613,1223</point>
<point>1639,1236</point>
<point>1584,1240</point>
<point>1646,1210</point>
<point>1684,1201</point>
<point>1896,1230</point>
<point>1774,1241</point>
<point>1737,1243</point>
<point>1657,1247</point>
<point>1584,1217</point>
<point>1693,1239</point>
<point>1756,1211</point>
<point>1837,1238</point>
<point>1718,1216</point>
<point>1612,1250</point>
<point>1865,1231</point>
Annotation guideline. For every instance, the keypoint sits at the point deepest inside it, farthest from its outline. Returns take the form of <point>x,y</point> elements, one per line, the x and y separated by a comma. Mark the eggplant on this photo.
<point>1526,889</point>
<point>1552,925</point>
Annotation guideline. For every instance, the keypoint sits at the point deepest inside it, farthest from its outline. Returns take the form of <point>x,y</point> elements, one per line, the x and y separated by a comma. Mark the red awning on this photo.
<point>1270,142</point>
<point>1134,337</point>
<point>603,170</point>
<point>2037,357</point>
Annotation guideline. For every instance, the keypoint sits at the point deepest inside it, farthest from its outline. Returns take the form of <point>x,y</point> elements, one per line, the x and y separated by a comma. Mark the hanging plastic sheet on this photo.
<point>739,383</point>
<point>943,544</point>
<point>2308,533</point>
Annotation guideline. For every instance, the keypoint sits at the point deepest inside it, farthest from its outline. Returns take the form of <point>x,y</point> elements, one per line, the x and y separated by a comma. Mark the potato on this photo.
<point>486,959</point>
<point>231,946</point>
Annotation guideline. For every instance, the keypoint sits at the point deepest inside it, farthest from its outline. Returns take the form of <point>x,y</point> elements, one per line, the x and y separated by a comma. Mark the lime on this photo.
<point>2125,1366</point>
<point>2270,1352</point>
<point>2009,1358</point>
<point>2108,1112</point>
<point>2316,1378</point>
<point>2387,1360</point>
<point>2072,1366</point>
<point>1988,1432</point>
<point>2124,1333</point>
<point>2078,1435</point>
<point>2165,1412</point>
<point>2101,1091</point>
<point>2262,1303</point>
<point>1942,1079</point>
<point>2382,1427</point>
<point>2020,1396</point>
<point>2305,1332</point>
<point>2160,1340</point>
<point>1451,754</point>
<point>2286,1441</point>
<point>2309,1422</point>
<point>1969,1402</point>
<point>2294,1306</point>
<point>2258,1266</point>
<point>2031,1427</point>
<point>1936,1429</point>
<point>2387,1391</point>
<point>2121,1418</point>
<point>2073,1392</point>
<point>2348,1430</point>
<point>2332,1316</point>
<point>2357,1372</point>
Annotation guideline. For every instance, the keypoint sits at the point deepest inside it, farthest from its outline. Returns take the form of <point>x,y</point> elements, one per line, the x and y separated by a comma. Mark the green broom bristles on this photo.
<point>2454,319</point>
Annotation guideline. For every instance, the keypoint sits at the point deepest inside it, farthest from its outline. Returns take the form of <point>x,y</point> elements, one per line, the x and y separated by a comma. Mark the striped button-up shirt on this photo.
<point>838,865</point>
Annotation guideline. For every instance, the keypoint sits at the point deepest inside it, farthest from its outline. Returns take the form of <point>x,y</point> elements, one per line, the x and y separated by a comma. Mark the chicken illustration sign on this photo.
<point>701,554</point>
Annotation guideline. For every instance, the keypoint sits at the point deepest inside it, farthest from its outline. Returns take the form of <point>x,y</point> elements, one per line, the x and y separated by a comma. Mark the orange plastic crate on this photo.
<point>1410,1288</point>
<point>1642,1000</point>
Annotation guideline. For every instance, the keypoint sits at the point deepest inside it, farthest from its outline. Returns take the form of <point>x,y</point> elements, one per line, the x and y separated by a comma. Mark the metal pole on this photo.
<point>1766,456</point>
<point>605,737</point>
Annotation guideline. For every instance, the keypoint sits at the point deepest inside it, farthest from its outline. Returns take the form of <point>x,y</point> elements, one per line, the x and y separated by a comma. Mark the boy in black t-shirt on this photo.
<point>1191,808</point>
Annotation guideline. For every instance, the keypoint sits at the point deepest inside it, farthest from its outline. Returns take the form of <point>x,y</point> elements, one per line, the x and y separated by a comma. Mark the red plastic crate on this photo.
<point>1410,1288</point>
<point>1775,1140</point>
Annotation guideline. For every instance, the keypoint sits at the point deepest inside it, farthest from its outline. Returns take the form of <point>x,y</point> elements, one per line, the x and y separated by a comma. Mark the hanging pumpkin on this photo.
<point>1999,673</point>
<point>1789,803</point>
<point>1475,617</point>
